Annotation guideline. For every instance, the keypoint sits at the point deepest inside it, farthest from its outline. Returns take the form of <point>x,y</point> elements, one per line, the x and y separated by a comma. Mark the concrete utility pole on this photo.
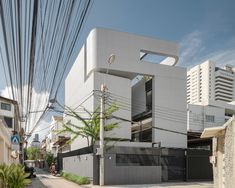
<point>102,122</point>
<point>102,110</point>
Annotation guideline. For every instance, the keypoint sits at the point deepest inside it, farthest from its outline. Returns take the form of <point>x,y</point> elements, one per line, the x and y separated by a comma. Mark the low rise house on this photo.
<point>56,142</point>
<point>10,126</point>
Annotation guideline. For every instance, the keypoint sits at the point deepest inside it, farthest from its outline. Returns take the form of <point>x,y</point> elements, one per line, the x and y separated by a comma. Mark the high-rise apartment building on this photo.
<point>206,82</point>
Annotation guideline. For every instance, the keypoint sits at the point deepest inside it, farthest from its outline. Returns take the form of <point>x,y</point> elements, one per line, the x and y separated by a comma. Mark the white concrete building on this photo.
<point>206,82</point>
<point>165,92</point>
<point>9,113</point>
<point>210,95</point>
<point>9,124</point>
<point>56,142</point>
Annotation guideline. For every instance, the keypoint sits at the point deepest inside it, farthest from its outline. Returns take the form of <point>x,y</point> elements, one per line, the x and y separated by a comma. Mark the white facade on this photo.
<point>168,84</point>
<point>53,139</point>
<point>206,82</point>
<point>201,117</point>
<point>8,124</point>
<point>7,112</point>
<point>210,92</point>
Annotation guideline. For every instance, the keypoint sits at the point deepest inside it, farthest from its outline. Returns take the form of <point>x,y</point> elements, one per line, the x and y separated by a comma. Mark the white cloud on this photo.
<point>38,103</point>
<point>193,51</point>
<point>222,57</point>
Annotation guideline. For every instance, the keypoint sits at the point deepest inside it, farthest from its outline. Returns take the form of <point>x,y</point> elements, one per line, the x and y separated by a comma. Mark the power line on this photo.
<point>39,40</point>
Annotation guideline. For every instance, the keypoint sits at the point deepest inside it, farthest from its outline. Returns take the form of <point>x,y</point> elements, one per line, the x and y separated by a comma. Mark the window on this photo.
<point>5,106</point>
<point>210,118</point>
<point>8,121</point>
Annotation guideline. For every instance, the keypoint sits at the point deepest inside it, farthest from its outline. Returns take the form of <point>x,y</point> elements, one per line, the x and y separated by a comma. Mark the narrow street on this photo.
<point>45,179</point>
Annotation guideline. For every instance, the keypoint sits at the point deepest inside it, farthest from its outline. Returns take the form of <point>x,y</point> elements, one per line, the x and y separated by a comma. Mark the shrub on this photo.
<point>13,176</point>
<point>75,178</point>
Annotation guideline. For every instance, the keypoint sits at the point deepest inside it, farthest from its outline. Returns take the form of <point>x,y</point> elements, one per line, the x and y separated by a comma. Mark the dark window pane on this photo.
<point>6,106</point>
<point>8,121</point>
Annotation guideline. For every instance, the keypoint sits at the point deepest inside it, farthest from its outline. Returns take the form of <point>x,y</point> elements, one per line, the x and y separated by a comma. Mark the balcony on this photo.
<point>61,140</point>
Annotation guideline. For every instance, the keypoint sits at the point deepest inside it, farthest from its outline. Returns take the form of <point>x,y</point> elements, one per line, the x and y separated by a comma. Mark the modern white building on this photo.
<point>206,82</point>
<point>167,108</point>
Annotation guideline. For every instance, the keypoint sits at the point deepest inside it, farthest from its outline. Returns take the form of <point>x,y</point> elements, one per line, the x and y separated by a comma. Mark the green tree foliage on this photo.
<point>13,176</point>
<point>88,128</point>
<point>33,153</point>
<point>49,158</point>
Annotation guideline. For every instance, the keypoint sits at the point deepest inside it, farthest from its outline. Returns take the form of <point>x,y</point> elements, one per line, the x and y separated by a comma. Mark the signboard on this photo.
<point>15,139</point>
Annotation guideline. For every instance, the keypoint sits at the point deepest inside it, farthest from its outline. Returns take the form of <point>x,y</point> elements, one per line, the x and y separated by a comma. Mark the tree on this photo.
<point>49,158</point>
<point>33,153</point>
<point>88,128</point>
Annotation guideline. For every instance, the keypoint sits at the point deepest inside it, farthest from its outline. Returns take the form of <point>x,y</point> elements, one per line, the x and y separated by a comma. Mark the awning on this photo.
<point>216,131</point>
<point>212,132</point>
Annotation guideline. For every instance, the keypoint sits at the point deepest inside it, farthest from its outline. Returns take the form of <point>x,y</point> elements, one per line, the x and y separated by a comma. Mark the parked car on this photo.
<point>29,168</point>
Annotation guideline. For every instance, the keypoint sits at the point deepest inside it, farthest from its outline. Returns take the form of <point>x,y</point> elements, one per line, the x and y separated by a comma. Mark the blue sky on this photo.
<point>204,29</point>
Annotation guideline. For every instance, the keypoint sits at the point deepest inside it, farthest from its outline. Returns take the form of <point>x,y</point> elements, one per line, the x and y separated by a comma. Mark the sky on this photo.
<point>204,29</point>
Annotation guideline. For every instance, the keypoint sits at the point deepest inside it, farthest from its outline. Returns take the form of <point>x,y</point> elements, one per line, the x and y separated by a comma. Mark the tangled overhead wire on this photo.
<point>40,40</point>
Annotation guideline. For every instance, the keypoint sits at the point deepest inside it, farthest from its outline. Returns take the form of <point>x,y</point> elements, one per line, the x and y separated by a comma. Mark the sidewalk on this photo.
<point>166,185</point>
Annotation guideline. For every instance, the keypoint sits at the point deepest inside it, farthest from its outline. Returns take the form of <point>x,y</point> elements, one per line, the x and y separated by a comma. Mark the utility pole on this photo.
<point>102,122</point>
<point>102,110</point>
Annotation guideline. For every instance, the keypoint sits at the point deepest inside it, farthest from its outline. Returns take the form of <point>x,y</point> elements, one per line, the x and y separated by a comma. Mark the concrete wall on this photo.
<point>77,88</point>
<point>118,88</point>
<point>130,174</point>
<point>229,157</point>
<point>81,165</point>
<point>197,117</point>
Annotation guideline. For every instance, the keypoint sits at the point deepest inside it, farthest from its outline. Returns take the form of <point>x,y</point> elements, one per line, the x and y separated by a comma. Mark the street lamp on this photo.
<point>102,122</point>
